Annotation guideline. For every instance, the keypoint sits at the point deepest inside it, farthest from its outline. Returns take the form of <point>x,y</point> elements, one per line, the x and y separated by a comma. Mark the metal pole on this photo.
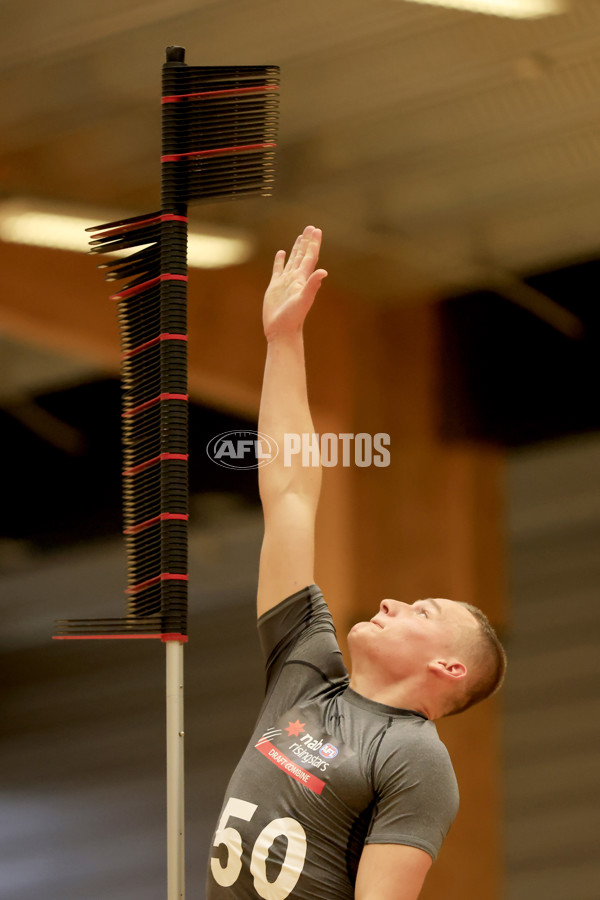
<point>175,793</point>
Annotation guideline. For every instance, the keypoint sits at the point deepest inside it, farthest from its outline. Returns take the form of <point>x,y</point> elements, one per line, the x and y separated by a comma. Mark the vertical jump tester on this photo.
<point>219,128</point>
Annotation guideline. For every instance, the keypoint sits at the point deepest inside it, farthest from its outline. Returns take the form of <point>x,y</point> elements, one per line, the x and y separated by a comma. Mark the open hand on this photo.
<point>293,285</point>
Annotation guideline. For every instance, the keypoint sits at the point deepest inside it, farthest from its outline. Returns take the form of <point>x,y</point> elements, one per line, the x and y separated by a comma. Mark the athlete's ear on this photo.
<point>448,669</point>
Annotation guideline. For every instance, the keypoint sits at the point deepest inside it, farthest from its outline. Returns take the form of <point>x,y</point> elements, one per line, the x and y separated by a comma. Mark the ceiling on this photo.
<point>437,148</point>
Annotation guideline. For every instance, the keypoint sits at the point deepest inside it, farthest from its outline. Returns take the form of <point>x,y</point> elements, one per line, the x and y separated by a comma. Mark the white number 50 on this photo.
<point>293,863</point>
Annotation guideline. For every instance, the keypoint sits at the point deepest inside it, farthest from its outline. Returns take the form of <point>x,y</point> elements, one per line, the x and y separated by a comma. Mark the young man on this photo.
<point>345,789</point>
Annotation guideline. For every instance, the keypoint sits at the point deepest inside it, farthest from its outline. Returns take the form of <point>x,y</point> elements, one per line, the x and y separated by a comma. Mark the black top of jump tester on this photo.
<point>219,127</point>
<point>176,54</point>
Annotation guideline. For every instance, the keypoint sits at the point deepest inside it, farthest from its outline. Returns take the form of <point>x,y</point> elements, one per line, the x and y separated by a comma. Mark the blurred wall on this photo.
<point>552,696</point>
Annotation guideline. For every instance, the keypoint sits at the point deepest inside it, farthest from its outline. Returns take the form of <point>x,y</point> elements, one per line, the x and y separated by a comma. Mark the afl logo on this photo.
<point>242,449</point>
<point>328,751</point>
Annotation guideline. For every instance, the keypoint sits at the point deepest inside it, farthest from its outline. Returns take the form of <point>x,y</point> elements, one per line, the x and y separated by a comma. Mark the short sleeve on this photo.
<point>300,628</point>
<point>417,794</point>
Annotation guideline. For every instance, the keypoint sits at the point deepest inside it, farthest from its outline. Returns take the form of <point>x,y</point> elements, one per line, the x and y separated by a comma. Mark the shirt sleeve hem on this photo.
<point>406,839</point>
<point>310,589</point>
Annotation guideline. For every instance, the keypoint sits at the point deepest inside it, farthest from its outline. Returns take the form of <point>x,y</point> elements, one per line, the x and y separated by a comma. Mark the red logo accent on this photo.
<point>291,768</point>
<point>294,728</point>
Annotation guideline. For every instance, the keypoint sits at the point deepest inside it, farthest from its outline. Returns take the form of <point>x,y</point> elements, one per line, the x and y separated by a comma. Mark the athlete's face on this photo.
<point>405,637</point>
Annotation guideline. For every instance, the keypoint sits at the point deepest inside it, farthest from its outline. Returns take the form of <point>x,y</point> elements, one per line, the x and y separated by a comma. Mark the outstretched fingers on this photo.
<point>311,253</point>
<point>300,247</point>
<point>279,263</point>
<point>314,283</point>
<point>303,256</point>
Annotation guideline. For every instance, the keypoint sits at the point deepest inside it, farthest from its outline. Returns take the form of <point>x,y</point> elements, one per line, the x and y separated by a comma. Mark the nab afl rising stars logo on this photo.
<point>328,751</point>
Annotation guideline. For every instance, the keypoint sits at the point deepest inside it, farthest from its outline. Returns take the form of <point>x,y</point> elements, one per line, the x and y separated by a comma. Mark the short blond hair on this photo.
<point>486,660</point>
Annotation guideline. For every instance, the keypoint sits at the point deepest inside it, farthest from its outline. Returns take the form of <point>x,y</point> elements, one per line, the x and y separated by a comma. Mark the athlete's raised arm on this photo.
<point>289,494</point>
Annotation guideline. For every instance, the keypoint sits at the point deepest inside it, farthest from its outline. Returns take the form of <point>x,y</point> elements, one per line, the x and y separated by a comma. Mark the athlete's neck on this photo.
<point>401,695</point>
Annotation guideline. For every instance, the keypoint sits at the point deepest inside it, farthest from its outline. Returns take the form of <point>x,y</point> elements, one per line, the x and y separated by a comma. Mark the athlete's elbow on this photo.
<point>278,490</point>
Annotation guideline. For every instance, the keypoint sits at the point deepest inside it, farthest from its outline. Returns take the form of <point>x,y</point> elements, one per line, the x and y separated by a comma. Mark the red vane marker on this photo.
<point>133,470</point>
<point>141,288</point>
<point>163,517</point>
<point>237,92</point>
<point>182,638</point>
<point>196,154</point>
<point>153,402</point>
<point>153,343</point>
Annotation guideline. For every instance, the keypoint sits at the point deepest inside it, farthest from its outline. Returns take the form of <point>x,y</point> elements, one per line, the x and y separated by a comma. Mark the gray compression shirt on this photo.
<point>325,772</point>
